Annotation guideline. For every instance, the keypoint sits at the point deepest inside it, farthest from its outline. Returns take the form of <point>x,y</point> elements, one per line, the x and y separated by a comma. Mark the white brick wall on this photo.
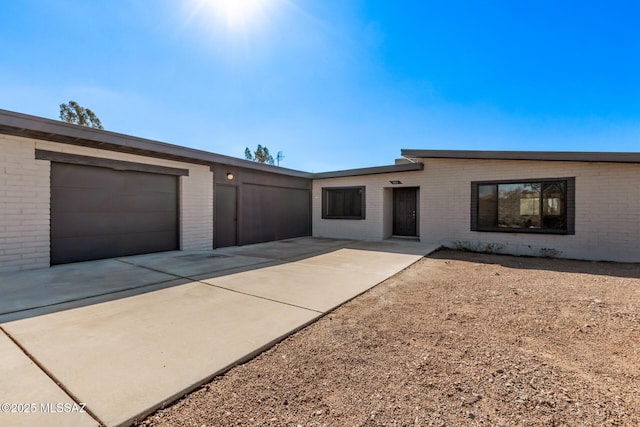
<point>25,200</point>
<point>196,214</point>
<point>607,225</point>
<point>24,207</point>
<point>378,213</point>
<point>607,204</point>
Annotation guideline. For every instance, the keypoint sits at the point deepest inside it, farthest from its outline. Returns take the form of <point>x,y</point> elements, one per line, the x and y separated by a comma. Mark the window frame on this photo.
<point>325,207</point>
<point>569,196</point>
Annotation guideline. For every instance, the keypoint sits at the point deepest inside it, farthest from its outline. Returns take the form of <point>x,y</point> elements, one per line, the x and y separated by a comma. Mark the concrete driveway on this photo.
<point>108,342</point>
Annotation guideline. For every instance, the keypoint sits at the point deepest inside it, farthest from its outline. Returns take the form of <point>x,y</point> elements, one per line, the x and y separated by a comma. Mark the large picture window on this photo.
<point>534,206</point>
<point>343,202</point>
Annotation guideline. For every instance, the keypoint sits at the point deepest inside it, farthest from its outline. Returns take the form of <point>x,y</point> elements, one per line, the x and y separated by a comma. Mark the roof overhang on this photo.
<point>23,125</point>
<point>557,156</point>
<point>404,167</point>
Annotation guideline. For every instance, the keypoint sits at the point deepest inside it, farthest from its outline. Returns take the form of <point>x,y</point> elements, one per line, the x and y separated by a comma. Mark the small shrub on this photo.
<point>549,252</point>
<point>486,248</point>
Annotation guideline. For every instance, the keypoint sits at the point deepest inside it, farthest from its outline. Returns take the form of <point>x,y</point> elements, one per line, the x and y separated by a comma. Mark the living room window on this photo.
<point>524,206</point>
<point>343,202</point>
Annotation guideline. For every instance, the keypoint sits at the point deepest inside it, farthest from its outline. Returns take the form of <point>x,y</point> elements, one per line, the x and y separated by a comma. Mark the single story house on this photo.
<point>71,193</point>
<point>557,204</point>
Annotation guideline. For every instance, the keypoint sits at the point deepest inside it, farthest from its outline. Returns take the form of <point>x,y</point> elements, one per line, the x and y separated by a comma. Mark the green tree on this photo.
<point>247,154</point>
<point>76,114</point>
<point>261,155</point>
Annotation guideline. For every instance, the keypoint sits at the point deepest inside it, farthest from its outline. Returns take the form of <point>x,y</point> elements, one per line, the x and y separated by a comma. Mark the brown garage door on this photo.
<point>98,213</point>
<point>274,213</point>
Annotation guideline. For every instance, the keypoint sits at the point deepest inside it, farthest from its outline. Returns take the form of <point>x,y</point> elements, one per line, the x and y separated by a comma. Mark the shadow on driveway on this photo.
<point>37,292</point>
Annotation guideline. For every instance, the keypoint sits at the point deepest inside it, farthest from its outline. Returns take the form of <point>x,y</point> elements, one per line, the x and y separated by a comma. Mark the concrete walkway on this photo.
<point>108,342</point>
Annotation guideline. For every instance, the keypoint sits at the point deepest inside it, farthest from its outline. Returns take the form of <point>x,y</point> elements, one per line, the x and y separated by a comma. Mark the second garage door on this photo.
<point>98,212</point>
<point>274,213</point>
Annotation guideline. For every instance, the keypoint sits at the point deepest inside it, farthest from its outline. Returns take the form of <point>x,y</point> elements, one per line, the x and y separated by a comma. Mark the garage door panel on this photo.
<point>90,248</point>
<point>80,176</point>
<point>79,224</point>
<point>103,213</point>
<point>80,200</point>
<point>274,213</point>
<point>158,183</point>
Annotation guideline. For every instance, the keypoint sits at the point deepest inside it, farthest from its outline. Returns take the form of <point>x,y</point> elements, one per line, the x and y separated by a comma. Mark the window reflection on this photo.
<point>521,205</point>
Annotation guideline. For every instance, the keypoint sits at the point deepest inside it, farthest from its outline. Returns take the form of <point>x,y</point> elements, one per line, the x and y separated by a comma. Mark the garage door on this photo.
<point>98,212</point>
<point>274,213</point>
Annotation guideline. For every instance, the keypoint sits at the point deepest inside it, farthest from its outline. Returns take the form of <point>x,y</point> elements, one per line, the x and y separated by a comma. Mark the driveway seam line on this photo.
<point>258,296</point>
<point>152,269</point>
<point>185,277</point>
<point>221,287</point>
<point>53,378</point>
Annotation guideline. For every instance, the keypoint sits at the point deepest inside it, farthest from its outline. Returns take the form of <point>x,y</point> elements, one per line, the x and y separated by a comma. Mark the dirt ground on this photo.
<point>456,339</point>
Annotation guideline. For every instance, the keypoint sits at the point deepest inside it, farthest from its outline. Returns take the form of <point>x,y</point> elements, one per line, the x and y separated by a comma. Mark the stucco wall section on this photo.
<point>378,212</point>
<point>25,200</point>
<point>607,204</point>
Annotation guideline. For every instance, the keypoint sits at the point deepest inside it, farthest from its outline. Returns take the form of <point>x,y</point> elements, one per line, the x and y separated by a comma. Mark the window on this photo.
<point>343,203</point>
<point>530,206</point>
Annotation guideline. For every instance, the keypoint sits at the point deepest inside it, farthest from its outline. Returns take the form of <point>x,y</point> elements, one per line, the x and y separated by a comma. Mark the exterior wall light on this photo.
<point>395,182</point>
<point>229,176</point>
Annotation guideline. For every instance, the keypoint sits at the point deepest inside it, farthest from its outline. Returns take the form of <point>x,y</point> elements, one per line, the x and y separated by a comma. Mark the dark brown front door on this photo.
<point>405,211</point>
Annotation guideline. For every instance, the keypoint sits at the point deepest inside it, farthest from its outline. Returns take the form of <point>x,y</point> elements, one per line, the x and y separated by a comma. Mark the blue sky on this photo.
<point>334,84</point>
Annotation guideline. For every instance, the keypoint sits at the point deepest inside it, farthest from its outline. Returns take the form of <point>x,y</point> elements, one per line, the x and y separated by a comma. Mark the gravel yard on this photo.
<point>456,339</point>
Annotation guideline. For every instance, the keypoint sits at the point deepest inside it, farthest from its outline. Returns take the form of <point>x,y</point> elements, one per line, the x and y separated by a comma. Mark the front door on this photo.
<point>226,216</point>
<point>405,211</point>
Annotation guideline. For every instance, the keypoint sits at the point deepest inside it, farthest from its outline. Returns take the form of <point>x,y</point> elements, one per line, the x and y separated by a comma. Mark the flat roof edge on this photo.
<point>406,167</point>
<point>28,126</point>
<point>566,156</point>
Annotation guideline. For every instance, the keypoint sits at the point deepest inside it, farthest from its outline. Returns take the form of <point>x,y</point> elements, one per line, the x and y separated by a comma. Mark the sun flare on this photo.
<point>239,13</point>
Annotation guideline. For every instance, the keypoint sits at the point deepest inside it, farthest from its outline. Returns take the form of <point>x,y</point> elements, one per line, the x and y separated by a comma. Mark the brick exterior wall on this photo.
<point>24,207</point>
<point>607,197</point>
<point>378,213</point>
<point>196,209</point>
<point>25,195</point>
